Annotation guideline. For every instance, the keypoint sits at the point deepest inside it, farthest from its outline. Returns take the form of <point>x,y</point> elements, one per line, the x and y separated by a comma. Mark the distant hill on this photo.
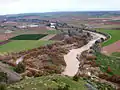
<point>66,14</point>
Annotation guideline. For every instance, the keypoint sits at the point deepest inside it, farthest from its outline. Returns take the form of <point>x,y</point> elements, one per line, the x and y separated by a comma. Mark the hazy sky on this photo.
<point>26,6</point>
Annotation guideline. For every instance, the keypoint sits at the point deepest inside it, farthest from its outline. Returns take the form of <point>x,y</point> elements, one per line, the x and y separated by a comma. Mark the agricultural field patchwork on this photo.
<point>19,45</point>
<point>115,47</point>
<point>115,36</point>
<point>29,37</point>
<point>105,61</point>
<point>116,54</point>
<point>26,42</point>
<point>53,32</point>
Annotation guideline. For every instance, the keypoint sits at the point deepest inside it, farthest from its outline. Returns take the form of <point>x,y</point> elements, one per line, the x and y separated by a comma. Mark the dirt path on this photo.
<point>71,60</point>
<point>48,37</point>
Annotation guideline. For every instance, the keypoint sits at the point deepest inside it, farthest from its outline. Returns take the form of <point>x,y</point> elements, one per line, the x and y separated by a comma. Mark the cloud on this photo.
<point>25,6</point>
<point>7,1</point>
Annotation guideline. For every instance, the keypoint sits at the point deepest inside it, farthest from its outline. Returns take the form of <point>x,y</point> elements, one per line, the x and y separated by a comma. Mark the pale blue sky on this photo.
<point>26,6</point>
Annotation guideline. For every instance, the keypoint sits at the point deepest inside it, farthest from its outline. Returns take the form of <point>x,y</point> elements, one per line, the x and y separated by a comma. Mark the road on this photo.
<point>71,60</point>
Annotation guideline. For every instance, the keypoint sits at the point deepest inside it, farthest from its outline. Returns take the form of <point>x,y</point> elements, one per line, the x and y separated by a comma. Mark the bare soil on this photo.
<point>115,47</point>
<point>58,37</point>
<point>48,37</point>
<point>4,36</point>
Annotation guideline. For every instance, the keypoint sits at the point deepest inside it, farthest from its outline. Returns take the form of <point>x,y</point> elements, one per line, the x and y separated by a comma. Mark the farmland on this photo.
<point>26,42</point>
<point>29,37</point>
<point>105,61</point>
<point>19,45</point>
<point>115,36</point>
<point>40,60</point>
<point>40,30</point>
<point>52,32</point>
<point>117,54</point>
<point>115,47</point>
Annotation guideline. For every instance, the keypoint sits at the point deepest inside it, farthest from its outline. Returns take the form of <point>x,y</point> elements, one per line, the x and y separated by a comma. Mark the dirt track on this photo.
<point>48,37</point>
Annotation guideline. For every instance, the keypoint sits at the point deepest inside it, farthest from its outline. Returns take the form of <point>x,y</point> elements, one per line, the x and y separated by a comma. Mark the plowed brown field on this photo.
<point>4,36</point>
<point>115,47</point>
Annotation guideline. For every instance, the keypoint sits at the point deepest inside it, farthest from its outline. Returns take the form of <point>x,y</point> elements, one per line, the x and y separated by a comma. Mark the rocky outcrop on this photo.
<point>11,75</point>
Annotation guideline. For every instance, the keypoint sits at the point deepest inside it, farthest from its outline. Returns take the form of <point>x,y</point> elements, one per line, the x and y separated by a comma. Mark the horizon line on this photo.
<point>60,12</point>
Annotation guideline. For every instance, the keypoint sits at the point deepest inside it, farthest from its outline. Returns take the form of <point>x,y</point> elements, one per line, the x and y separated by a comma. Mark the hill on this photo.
<point>64,14</point>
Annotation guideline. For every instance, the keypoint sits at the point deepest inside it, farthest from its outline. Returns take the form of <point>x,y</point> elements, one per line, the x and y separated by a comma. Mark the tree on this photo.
<point>20,68</point>
<point>88,34</point>
<point>3,87</point>
<point>76,78</point>
<point>3,77</point>
<point>69,33</point>
<point>83,26</point>
<point>102,39</point>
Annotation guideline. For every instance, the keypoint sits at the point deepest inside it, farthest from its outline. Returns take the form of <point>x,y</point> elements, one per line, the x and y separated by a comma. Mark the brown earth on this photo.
<point>115,47</point>
<point>48,37</point>
<point>58,37</point>
<point>38,28</point>
<point>30,30</point>
<point>5,36</point>
<point>47,59</point>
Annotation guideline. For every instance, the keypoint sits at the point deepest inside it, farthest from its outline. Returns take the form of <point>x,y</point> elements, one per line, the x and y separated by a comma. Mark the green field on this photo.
<point>19,45</point>
<point>29,37</point>
<point>51,82</point>
<point>52,32</point>
<point>116,54</point>
<point>105,61</point>
<point>115,36</point>
<point>26,42</point>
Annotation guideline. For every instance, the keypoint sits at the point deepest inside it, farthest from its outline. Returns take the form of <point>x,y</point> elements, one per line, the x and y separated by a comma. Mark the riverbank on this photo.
<point>71,58</point>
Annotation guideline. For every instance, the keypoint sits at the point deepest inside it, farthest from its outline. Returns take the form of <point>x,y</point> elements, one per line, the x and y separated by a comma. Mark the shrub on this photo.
<point>103,76</point>
<point>20,68</point>
<point>114,78</point>
<point>29,74</point>
<point>91,57</point>
<point>65,87</point>
<point>28,37</point>
<point>3,87</point>
<point>109,70</point>
<point>3,77</point>
<point>75,78</point>
<point>69,40</point>
<point>102,39</point>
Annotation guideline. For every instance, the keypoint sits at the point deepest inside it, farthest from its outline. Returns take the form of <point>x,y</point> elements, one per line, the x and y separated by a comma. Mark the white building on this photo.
<point>53,25</point>
<point>22,27</point>
<point>8,31</point>
<point>32,25</point>
<point>25,26</point>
